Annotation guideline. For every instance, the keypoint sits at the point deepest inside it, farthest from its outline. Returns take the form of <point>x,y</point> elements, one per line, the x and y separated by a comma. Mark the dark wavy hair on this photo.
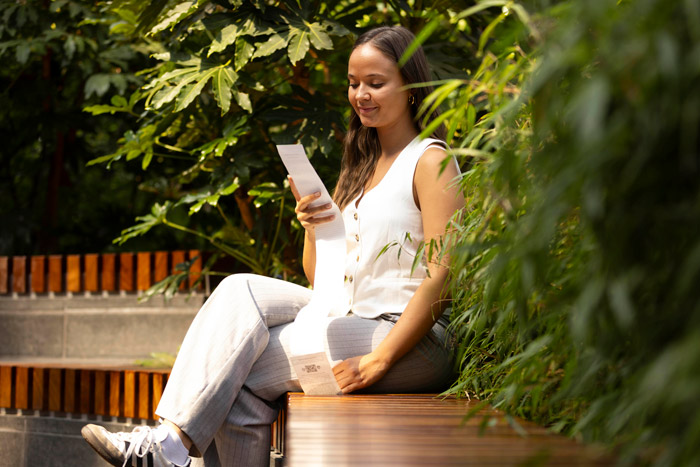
<point>361,147</point>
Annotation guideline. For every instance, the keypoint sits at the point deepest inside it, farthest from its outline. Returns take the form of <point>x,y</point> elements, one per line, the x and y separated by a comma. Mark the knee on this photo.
<point>234,281</point>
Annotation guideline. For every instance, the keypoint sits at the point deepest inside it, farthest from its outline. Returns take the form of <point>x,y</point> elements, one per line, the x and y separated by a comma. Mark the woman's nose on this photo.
<point>363,93</point>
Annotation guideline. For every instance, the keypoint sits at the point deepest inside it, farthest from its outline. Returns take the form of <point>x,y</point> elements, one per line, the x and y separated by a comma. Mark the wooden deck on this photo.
<point>407,429</point>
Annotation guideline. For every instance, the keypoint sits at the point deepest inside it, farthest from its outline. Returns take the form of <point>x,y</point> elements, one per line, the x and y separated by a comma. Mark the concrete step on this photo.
<point>33,440</point>
<point>93,327</point>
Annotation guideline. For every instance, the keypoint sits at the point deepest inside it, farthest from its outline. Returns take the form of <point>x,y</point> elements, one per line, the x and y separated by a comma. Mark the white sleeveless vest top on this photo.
<point>386,218</point>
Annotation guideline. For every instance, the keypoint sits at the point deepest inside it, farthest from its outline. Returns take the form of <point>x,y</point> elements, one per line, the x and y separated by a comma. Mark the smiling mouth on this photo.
<point>366,110</point>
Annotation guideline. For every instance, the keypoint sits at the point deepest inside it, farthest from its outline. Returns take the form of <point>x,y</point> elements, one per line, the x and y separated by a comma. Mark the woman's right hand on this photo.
<point>309,216</point>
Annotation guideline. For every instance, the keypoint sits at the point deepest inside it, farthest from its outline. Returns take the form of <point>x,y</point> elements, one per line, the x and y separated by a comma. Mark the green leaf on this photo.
<point>480,7</point>
<point>243,100</point>
<point>273,43</point>
<point>22,52</point>
<point>69,47</point>
<point>222,83</point>
<point>97,84</point>
<point>191,91</point>
<point>150,14</point>
<point>419,40</point>
<point>318,36</point>
<point>298,44</point>
<point>183,77</point>
<point>148,156</point>
<point>102,159</point>
<point>103,109</point>
<point>244,53</point>
<point>225,37</point>
<point>145,223</point>
<point>172,17</point>
<point>489,30</point>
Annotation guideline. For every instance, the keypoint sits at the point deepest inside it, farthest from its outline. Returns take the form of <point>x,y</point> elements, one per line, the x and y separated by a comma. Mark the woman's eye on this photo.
<point>353,85</point>
<point>377,85</point>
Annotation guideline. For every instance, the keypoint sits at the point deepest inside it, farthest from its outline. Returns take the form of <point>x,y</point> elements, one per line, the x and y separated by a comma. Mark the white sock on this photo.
<point>173,449</point>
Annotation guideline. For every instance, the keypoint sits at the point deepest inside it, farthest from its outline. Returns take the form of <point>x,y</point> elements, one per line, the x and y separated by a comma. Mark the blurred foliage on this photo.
<point>57,57</point>
<point>577,258</point>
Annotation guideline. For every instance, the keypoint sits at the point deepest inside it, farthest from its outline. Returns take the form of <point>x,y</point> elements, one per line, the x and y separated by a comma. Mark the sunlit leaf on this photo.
<point>227,37</point>
<point>271,45</point>
<point>172,17</point>
<point>319,37</point>
<point>298,44</point>
<point>222,84</point>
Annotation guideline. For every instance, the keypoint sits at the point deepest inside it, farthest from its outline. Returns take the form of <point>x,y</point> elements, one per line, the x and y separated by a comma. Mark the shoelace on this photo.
<point>140,441</point>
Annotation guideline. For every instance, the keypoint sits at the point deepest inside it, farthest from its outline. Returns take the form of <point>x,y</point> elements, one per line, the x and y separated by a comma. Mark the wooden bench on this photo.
<point>107,272</point>
<point>414,429</point>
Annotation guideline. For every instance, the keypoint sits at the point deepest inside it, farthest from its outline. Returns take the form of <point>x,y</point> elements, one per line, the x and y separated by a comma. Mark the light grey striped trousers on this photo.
<point>234,361</point>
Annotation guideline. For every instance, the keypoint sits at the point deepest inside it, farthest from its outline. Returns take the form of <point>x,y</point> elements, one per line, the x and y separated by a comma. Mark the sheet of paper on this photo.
<point>312,370</point>
<point>328,298</point>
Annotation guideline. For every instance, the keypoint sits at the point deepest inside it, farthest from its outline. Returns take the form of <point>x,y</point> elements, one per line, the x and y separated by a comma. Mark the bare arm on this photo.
<point>439,200</point>
<point>305,215</point>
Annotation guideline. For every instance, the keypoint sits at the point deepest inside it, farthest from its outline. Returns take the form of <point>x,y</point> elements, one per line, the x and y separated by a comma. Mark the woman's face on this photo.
<point>374,89</point>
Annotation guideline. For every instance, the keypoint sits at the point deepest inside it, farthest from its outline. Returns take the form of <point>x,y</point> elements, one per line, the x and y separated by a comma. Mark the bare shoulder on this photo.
<point>434,184</point>
<point>435,163</point>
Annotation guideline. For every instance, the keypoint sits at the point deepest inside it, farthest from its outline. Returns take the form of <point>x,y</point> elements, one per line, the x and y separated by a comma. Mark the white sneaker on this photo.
<point>138,448</point>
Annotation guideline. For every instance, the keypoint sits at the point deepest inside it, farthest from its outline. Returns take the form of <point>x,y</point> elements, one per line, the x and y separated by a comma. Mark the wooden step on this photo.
<point>120,391</point>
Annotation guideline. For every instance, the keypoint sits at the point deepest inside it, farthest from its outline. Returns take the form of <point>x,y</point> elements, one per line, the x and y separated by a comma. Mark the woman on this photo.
<point>235,358</point>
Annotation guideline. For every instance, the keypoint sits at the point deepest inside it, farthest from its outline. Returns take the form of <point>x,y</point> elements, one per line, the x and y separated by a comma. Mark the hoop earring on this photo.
<point>412,99</point>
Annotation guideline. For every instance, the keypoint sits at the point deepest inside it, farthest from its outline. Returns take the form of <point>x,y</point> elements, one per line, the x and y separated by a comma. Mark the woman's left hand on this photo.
<point>359,372</point>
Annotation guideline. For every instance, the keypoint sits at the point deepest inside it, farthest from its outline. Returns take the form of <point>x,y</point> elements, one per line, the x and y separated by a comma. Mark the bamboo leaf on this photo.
<point>419,40</point>
<point>481,6</point>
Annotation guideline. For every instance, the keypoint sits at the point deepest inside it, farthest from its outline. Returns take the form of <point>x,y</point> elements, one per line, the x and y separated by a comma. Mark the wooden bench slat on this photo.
<point>4,274</point>
<point>160,270</point>
<point>101,392</point>
<point>38,272</point>
<point>6,386</point>
<point>115,405</point>
<point>144,390</point>
<point>126,272</point>
<point>109,283</point>
<point>130,394</point>
<point>19,274</point>
<point>143,271</point>
<point>90,274</point>
<point>69,391</point>
<point>86,392</point>
<point>21,388</point>
<point>178,257</point>
<point>196,267</point>
<point>38,378</point>
<point>55,390</point>
<point>157,392</point>
<point>73,273</point>
<point>55,273</point>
